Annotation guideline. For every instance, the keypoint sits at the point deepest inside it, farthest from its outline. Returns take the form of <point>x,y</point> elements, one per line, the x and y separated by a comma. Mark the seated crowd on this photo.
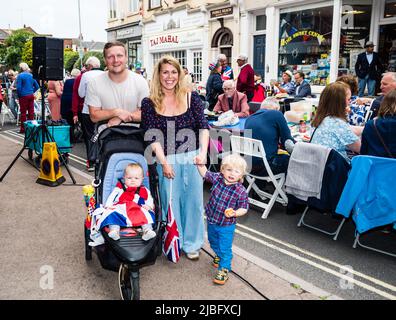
<point>342,120</point>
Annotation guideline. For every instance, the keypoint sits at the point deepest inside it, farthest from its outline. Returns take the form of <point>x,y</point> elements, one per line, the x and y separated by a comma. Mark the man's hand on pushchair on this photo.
<point>123,115</point>
<point>114,122</point>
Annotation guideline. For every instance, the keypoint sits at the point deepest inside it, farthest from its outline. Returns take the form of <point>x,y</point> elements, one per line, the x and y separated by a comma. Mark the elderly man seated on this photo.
<point>388,83</point>
<point>232,100</point>
<point>269,125</point>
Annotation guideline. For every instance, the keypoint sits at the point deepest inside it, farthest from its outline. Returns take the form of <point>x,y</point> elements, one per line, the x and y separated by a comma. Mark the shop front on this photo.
<point>323,39</point>
<point>180,35</point>
<point>131,36</point>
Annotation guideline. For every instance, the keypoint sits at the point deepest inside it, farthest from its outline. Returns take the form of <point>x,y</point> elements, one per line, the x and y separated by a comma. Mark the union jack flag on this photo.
<point>91,206</point>
<point>227,73</point>
<point>171,243</point>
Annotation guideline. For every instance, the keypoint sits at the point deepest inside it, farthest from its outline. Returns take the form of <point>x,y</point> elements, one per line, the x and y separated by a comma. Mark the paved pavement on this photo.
<point>42,235</point>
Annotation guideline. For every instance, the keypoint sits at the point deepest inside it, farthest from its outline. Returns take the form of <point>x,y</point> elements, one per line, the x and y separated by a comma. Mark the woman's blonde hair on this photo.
<point>181,89</point>
<point>388,105</point>
<point>234,160</point>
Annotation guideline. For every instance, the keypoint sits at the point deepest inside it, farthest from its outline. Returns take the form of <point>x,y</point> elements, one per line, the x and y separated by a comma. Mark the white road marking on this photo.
<point>283,274</point>
<point>339,266</point>
<point>318,266</point>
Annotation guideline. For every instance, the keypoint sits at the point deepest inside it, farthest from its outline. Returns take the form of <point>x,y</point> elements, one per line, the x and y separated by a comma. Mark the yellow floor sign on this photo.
<point>50,172</point>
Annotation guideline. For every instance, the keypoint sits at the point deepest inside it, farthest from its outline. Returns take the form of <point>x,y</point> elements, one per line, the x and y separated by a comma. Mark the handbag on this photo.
<point>382,140</point>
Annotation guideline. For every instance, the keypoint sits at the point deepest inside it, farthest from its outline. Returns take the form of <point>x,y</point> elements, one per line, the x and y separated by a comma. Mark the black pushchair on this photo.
<point>116,147</point>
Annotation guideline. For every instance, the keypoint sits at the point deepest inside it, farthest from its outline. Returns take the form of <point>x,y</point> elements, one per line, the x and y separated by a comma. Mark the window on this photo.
<point>133,5</point>
<point>305,43</point>
<point>134,54</point>
<point>261,22</point>
<point>179,55</point>
<point>355,31</point>
<point>390,9</point>
<point>155,4</point>
<point>197,66</point>
<point>112,9</point>
<point>387,46</point>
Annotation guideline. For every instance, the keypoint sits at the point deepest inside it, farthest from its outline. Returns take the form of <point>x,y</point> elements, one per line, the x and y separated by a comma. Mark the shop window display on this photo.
<point>355,30</point>
<point>305,43</point>
<point>387,47</point>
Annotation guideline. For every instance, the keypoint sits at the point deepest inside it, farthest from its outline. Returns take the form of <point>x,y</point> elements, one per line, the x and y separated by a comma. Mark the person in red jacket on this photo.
<point>259,90</point>
<point>245,83</point>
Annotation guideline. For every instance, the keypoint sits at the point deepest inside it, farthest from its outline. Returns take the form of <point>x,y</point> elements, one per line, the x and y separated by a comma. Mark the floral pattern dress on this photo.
<point>334,133</point>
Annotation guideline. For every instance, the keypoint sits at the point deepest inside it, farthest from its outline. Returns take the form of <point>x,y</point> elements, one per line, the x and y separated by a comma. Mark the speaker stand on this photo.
<point>35,135</point>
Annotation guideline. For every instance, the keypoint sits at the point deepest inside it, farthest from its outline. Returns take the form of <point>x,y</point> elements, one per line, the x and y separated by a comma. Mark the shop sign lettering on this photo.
<point>221,12</point>
<point>314,34</point>
<point>164,39</point>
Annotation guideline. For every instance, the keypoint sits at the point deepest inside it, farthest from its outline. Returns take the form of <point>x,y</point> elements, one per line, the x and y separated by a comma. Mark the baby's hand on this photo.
<point>229,213</point>
<point>145,206</point>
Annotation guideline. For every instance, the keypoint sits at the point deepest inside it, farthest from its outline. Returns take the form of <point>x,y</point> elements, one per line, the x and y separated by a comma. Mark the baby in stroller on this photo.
<point>130,204</point>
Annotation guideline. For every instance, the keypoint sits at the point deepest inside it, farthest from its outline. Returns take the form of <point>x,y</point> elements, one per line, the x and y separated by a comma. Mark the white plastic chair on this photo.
<point>6,112</point>
<point>254,148</point>
<point>18,111</point>
<point>37,109</point>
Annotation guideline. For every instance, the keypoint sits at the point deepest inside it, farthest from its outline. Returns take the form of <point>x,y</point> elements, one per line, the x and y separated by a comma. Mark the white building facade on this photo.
<point>181,33</point>
<point>321,38</point>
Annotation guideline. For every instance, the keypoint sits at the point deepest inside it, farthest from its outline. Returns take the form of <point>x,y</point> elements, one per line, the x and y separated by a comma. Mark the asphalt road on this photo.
<point>333,266</point>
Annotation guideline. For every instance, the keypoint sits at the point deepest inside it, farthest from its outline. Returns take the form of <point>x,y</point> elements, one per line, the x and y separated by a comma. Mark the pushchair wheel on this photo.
<point>128,282</point>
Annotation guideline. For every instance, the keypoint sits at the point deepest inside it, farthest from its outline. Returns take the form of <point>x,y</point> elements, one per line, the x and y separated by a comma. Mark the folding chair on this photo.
<point>368,114</point>
<point>18,111</point>
<point>254,148</point>
<point>6,112</point>
<point>335,173</point>
<point>37,109</point>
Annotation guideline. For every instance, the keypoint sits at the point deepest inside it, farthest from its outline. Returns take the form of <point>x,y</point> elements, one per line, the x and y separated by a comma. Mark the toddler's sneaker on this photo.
<point>216,261</point>
<point>114,234</point>
<point>221,276</point>
<point>148,234</point>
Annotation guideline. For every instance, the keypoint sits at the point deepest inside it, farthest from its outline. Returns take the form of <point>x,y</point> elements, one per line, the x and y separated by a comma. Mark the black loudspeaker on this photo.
<point>47,58</point>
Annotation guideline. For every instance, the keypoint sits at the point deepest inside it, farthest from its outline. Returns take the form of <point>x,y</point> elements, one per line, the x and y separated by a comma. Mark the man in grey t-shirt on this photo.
<point>116,95</point>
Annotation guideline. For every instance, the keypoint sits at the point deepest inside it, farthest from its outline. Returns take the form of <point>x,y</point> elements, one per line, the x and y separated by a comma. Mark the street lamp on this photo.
<point>80,36</point>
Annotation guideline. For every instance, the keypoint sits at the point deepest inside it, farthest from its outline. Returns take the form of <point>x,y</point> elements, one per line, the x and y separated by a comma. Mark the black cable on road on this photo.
<point>241,278</point>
